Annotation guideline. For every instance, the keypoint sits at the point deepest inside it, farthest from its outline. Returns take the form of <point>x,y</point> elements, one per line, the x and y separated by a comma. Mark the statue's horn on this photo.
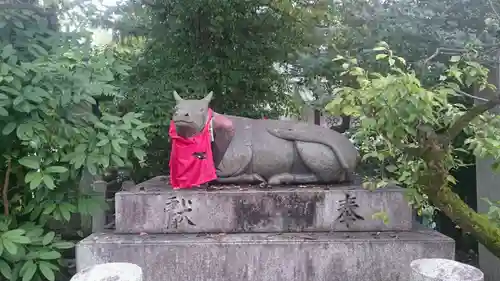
<point>176,96</point>
<point>209,96</point>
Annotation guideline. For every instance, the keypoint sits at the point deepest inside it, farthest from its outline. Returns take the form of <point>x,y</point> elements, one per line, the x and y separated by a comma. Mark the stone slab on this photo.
<point>260,210</point>
<point>335,256</point>
<point>113,271</point>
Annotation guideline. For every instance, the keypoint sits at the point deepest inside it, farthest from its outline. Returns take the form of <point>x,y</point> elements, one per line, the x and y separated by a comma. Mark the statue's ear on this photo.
<point>176,96</point>
<point>208,97</point>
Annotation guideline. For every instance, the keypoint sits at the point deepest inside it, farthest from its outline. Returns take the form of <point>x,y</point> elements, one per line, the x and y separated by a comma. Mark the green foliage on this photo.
<point>415,30</point>
<point>410,128</point>
<point>49,81</point>
<point>395,111</point>
<point>233,48</point>
<point>29,252</point>
<point>494,211</point>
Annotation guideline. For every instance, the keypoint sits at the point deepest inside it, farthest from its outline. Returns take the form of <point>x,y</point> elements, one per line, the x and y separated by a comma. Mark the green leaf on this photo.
<point>10,90</point>
<point>35,232</point>
<point>56,170</point>
<point>8,51</point>
<point>401,60</point>
<point>36,180</point>
<point>52,255</point>
<point>13,233</point>
<point>39,49</point>
<point>368,122</point>
<point>380,56</point>
<point>3,111</point>
<point>30,176</point>
<point>46,271</point>
<point>48,238</point>
<point>49,209</point>
<point>91,167</point>
<point>19,24</point>
<point>9,128</point>
<point>116,145</point>
<point>24,131</point>
<point>48,180</point>
<point>32,162</point>
<point>104,161</point>
<point>20,239</point>
<point>391,168</point>
<point>381,216</point>
<point>63,245</point>
<point>65,212</point>
<point>451,179</point>
<point>29,270</point>
<point>9,246</point>
<point>78,160</point>
<point>102,142</point>
<point>139,153</point>
<point>118,161</point>
<point>5,269</point>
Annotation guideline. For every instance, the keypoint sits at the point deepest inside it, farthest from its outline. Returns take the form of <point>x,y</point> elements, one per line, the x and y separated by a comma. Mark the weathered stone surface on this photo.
<point>260,210</point>
<point>113,271</point>
<point>443,270</point>
<point>268,257</point>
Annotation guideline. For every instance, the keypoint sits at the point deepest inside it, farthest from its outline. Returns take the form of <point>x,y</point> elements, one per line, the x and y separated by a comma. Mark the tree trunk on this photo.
<point>440,194</point>
<point>477,224</point>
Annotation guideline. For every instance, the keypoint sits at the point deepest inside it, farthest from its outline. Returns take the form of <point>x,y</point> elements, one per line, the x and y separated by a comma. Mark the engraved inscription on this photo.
<point>347,210</point>
<point>178,210</point>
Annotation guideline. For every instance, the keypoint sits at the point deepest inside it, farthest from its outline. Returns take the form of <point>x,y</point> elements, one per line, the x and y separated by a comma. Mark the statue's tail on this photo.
<point>345,151</point>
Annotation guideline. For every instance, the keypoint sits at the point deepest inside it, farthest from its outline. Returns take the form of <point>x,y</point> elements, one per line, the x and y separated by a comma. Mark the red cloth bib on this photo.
<point>191,159</point>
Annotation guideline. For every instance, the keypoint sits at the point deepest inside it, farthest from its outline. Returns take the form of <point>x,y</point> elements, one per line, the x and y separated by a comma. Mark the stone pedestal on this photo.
<point>335,233</point>
<point>261,210</point>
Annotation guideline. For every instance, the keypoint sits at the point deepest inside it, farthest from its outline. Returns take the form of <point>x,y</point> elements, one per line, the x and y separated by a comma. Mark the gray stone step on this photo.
<point>335,256</point>
<point>262,210</point>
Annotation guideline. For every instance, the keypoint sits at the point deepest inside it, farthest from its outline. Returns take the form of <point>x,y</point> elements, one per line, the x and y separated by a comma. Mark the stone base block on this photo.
<point>335,256</point>
<point>334,208</point>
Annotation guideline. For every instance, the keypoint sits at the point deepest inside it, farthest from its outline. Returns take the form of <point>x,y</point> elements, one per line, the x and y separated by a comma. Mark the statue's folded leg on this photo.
<point>223,135</point>
<point>244,179</point>
<point>287,178</point>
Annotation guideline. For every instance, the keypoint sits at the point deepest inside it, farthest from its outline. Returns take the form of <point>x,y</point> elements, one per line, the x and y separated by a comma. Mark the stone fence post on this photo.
<point>115,271</point>
<point>443,270</point>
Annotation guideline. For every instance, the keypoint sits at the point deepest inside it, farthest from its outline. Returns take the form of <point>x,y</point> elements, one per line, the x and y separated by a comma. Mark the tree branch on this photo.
<point>472,96</point>
<point>494,10</point>
<point>5,189</point>
<point>464,120</point>
<point>442,50</point>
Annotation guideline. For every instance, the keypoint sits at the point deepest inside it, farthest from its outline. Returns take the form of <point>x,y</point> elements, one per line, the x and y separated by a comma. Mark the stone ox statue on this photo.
<point>249,151</point>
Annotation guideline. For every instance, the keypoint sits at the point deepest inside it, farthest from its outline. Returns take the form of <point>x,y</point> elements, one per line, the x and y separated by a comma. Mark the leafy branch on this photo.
<point>399,115</point>
<point>464,121</point>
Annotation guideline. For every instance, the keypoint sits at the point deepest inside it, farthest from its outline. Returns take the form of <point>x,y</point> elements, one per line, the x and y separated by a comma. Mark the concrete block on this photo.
<point>262,210</point>
<point>335,256</point>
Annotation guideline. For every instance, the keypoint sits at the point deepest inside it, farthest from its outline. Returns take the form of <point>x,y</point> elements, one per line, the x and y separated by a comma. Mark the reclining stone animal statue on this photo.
<point>274,152</point>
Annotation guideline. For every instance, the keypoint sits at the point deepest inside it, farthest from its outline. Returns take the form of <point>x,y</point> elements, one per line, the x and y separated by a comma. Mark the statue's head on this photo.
<point>190,116</point>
